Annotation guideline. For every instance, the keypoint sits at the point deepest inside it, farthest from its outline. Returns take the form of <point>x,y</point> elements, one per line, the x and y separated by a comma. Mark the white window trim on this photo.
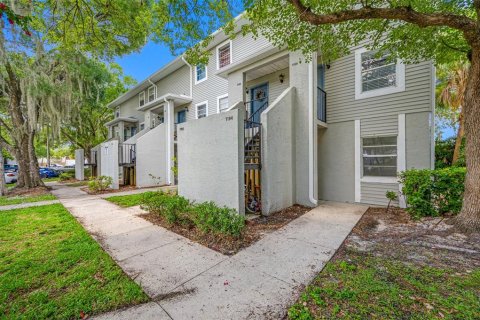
<point>140,126</point>
<point>117,110</point>
<point>400,79</point>
<point>144,101</point>
<point>231,52</point>
<point>206,108</point>
<point>206,75</point>
<point>218,101</point>
<point>154,93</point>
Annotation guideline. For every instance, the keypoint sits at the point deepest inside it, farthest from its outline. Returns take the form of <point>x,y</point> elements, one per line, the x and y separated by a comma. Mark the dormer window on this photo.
<point>141,98</point>
<point>224,54</point>
<point>151,93</point>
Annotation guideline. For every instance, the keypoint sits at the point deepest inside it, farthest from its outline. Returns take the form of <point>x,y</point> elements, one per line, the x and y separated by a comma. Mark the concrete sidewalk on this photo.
<point>189,281</point>
<point>27,205</point>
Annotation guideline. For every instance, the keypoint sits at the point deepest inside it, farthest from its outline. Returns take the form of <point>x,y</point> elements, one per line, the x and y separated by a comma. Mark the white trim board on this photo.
<point>358,162</point>
<point>401,153</point>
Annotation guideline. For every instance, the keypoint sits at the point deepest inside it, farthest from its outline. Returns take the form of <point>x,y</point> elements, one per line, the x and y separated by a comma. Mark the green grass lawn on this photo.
<point>5,201</point>
<point>53,179</point>
<point>367,287</point>
<point>129,200</point>
<point>50,268</point>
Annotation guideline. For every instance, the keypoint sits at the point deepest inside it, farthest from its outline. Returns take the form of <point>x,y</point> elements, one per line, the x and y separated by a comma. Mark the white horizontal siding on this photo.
<point>178,82</point>
<point>386,125</point>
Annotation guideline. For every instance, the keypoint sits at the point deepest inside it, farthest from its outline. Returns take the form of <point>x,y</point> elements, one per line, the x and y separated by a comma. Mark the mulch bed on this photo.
<point>23,192</point>
<point>431,241</point>
<point>254,230</point>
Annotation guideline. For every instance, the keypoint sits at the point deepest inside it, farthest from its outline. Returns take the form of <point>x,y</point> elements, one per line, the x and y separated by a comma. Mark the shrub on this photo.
<point>65,176</point>
<point>433,192</point>
<point>210,218</point>
<point>206,216</point>
<point>175,209</point>
<point>391,196</point>
<point>101,183</point>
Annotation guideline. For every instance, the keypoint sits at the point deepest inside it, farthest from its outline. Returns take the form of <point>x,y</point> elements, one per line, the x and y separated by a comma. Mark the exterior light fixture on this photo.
<point>281,77</point>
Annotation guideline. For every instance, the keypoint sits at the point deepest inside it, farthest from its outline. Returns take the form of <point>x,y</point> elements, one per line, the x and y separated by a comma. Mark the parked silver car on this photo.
<point>11,176</point>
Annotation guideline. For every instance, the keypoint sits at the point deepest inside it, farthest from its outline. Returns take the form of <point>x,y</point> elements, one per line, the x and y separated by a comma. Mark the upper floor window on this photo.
<point>201,110</point>
<point>117,113</point>
<point>200,73</point>
<point>151,93</point>
<point>222,103</point>
<point>380,156</point>
<point>141,98</point>
<point>224,54</point>
<point>377,75</point>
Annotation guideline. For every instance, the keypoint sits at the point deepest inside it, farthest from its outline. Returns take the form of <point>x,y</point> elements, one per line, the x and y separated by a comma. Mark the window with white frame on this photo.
<point>117,113</point>
<point>377,75</point>
<point>379,156</point>
<point>222,103</point>
<point>224,54</point>
<point>142,126</point>
<point>141,98</point>
<point>201,110</point>
<point>151,93</point>
<point>200,73</point>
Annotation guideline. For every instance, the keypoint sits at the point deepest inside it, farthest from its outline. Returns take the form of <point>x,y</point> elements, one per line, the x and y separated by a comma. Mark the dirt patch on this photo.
<point>433,242</point>
<point>34,192</point>
<point>254,230</point>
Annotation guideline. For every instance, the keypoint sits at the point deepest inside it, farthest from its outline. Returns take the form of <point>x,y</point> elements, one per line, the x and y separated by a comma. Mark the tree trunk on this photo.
<point>459,138</point>
<point>3,187</point>
<point>469,216</point>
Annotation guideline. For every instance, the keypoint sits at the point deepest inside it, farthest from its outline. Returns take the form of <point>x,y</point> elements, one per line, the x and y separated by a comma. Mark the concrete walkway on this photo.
<point>27,205</point>
<point>188,281</point>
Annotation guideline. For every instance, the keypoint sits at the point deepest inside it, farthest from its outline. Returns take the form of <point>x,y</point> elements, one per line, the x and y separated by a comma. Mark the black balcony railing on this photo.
<point>126,154</point>
<point>321,105</point>
<point>254,108</point>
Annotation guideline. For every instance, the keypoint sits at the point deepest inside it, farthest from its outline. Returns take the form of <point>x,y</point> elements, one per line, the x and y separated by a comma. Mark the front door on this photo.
<point>259,101</point>
<point>181,116</point>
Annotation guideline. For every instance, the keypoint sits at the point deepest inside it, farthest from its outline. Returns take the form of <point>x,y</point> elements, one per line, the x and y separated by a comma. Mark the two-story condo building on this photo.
<point>260,128</point>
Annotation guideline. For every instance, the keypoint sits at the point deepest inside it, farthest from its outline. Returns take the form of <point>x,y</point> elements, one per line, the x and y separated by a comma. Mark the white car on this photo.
<point>11,177</point>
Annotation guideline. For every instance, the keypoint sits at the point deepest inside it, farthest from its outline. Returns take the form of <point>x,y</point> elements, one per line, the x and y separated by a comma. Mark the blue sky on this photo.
<point>141,64</point>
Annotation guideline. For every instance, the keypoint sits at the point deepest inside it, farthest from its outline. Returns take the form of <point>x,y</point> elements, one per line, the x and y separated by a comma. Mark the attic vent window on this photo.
<point>224,54</point>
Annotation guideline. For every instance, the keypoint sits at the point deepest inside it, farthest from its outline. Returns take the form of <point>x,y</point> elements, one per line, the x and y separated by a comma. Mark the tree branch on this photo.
<point>403,13</point>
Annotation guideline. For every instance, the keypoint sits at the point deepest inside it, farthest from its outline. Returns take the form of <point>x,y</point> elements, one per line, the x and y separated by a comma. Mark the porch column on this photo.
<point>236,87</point>
<point>170,123</point>
<point>121,126</point>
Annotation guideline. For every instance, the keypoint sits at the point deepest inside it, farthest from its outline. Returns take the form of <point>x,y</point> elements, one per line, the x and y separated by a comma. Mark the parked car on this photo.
<point>11,176</point>
<point>48,173</point>
<point>10,167</point>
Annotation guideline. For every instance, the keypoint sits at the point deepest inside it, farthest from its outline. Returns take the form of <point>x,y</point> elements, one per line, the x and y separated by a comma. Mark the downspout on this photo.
<point>191,77</point>
<point>311,140</point>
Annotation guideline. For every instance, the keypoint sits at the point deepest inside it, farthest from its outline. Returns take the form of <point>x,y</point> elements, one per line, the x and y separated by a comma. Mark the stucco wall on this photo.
<point>80,164</point>
<point>418,140</point>
<point>109,161</point>
<point>278,148</point>
<point>151,159</point>
<point>210,159</point>
<point>336,162</point>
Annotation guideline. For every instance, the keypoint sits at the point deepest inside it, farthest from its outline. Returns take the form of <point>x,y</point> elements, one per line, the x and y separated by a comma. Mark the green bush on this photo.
<point>175,209</point>
<point>207,217</point>
<point>65,176</point>
<point>210,218</point>
<point>101,183</point>
<point>444,153</point>
<point>433,192</point>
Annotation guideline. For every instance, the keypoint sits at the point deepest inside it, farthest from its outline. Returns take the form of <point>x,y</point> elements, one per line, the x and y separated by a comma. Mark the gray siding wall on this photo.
<point>245,47</point>
<point>177,82</point>
<point>374,193</point>
<point>129,109</point>
<point>209,89</point>
<point>378,116</point>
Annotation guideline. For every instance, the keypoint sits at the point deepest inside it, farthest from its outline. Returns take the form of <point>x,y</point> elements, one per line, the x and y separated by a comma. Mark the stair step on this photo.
<point>252,166</point>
